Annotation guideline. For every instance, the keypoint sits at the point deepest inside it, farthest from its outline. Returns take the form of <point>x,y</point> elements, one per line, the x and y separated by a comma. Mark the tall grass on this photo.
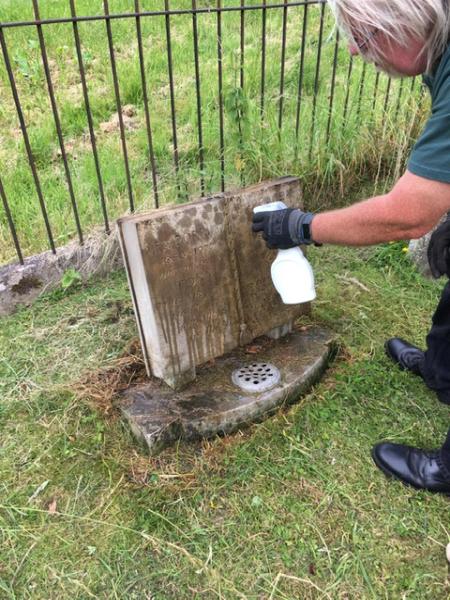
<point>331,153</point>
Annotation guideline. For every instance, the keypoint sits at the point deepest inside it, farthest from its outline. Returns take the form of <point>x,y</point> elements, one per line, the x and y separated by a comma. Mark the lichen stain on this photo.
<point>166,233</point>
<point>201,231</point>
<point>185,222</point>
<point>199,401</point>
<point>191,212</point>
<point>26,284</point>
<point>206,211</point>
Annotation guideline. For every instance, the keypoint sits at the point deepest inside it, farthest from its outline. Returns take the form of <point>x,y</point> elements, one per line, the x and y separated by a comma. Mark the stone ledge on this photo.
<point>22,284</point>
<point>159,416</point>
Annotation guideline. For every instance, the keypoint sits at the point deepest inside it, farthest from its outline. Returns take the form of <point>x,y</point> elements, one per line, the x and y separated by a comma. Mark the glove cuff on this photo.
<point>300,227</point>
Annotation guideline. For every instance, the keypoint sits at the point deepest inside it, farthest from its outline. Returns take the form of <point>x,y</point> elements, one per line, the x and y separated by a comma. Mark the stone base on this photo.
<point>159,416</point>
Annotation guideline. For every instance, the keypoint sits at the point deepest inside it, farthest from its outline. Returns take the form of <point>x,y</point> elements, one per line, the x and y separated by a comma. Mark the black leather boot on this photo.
<point>421,469</point>
<point>405,355</point>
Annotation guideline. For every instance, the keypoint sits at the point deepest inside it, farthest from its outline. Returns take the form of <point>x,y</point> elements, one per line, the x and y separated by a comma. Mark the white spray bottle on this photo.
<point>292,275</point>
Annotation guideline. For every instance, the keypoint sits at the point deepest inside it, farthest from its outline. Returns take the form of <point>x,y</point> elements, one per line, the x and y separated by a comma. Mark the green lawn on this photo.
<point>289,508</point>
<point>362,135</point>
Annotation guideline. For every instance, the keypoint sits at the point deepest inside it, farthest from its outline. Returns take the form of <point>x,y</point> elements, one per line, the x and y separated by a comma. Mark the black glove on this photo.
<point>284,228</point>
<point>439,250</point>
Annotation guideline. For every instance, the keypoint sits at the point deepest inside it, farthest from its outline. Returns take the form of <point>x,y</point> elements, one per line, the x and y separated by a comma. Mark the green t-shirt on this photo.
<point>430,157</point>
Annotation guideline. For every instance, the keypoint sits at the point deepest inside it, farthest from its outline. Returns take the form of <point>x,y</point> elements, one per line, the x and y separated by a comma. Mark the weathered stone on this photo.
<point>418,254</point>
<point>280,331</point>
<point>418,251</point>
<point>159,416</point>
<point>200,279</point>
<point>22,284</point>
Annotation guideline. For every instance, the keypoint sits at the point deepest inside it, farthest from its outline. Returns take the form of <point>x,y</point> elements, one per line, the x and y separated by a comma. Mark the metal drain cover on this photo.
<point>256,377</point>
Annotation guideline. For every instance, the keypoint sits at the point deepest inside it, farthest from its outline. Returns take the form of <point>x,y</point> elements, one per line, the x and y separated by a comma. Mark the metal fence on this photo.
<point>298,95</point>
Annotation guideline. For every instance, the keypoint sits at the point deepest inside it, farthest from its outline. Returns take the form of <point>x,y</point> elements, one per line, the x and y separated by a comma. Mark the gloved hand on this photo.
<point>439,250</point>
<point>284,228</point>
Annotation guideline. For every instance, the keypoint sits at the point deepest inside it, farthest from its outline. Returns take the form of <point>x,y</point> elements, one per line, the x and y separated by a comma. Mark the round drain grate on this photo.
<point>256,377</point>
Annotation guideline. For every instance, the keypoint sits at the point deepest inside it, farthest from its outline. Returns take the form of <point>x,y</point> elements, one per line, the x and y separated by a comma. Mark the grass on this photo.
<point>292,507</point>
<point>289,508</point>
<point>363,142</point>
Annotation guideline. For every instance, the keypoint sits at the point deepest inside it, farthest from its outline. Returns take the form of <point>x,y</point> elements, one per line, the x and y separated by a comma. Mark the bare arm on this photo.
<point>408,211</point>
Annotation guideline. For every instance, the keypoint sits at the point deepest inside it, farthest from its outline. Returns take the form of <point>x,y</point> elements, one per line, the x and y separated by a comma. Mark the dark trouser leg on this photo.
<point>445,452</point>
<point>436,365</point>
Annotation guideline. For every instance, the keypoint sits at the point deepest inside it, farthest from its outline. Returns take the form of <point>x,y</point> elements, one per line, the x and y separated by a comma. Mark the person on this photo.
<point>402,38</point>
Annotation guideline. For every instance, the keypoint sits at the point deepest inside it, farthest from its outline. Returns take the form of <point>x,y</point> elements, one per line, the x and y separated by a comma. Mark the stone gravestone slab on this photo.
<point>200,281</point>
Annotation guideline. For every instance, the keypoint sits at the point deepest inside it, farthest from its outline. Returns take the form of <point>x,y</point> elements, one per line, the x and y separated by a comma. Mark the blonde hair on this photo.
<point>399,20</point>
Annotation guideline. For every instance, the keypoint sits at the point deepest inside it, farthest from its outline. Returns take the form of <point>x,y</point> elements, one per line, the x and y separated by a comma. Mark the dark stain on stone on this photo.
<point>165,232</point>
<point>191,212</point>
<point>201,230</point>
<point>26,284</point>
<point>206,211</point>
<point>186,221</point>
<point>198,401</point>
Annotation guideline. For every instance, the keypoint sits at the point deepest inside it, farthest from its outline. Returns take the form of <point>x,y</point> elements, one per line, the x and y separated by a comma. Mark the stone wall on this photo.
<point>22,284</point>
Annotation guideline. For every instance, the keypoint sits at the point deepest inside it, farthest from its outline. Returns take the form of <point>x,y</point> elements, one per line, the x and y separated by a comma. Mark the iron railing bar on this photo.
<point>333,85</point>
<point>375,92</point>
<point>172,98</point>
<point>89,118</point>
<point>26,139</point>
<point>241,84</point>
<point>263,57</point>
<point>400,93</point>
<point>282,68</point>
<point>199,102</point>
<point>146,108</point>
<point>361,89</point>
<point>155,13</point>
<point>12,228</point>
<point>301,70</point>
<point>316,79</point>
<point>347,94</point>
<point>412,91</point>
<point>220,83</point>
<point>118,104</point>
<point>57,120</point>
<point>419,100</point>
<point>241,65</point>
<point>385,127</point>
<point>386,99</point>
